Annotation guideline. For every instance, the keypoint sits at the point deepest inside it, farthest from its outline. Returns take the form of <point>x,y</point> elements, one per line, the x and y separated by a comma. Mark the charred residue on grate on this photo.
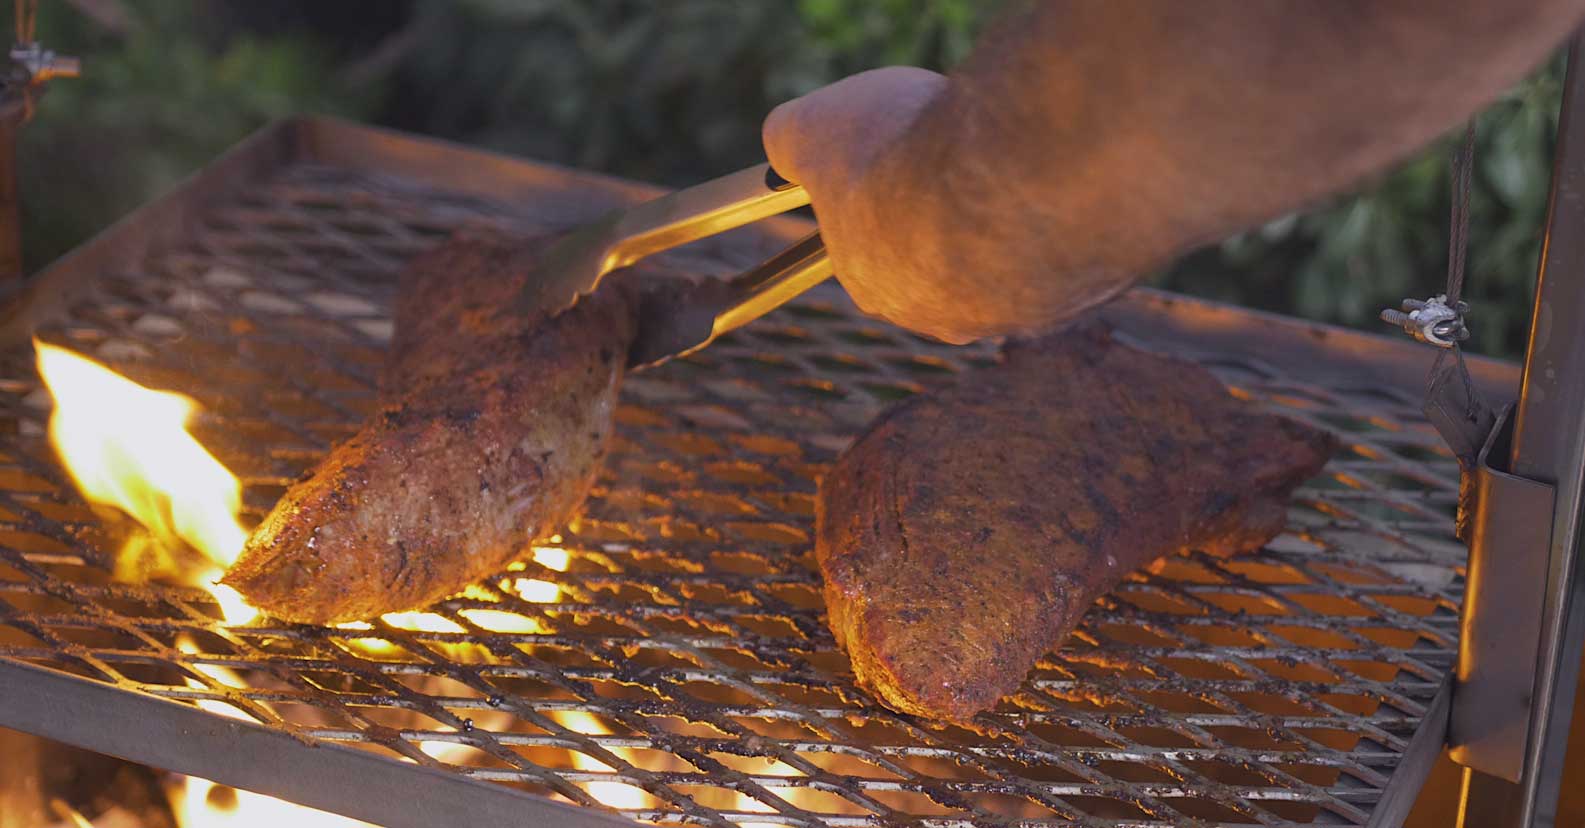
<point>674,663</point>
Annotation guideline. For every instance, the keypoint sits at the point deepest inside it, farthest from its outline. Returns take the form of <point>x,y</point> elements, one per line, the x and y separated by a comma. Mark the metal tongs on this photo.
<point>574,265</point>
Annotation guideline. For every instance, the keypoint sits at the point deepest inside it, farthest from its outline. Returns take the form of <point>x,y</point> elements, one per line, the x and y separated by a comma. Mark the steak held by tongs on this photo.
<point>967,531</point>
<point>498,398</point>
<point>493,426</point>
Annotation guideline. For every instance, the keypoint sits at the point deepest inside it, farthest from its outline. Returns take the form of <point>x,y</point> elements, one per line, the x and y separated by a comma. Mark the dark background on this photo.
<point>673,91</point>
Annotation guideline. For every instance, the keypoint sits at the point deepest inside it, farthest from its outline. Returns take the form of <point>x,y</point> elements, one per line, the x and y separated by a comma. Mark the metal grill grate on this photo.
<point>674,663</point>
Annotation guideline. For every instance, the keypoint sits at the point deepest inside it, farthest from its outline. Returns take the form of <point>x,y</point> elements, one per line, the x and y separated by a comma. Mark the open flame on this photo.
<point>200,803</point>
<point>127,446</point>
<point>613,794</point>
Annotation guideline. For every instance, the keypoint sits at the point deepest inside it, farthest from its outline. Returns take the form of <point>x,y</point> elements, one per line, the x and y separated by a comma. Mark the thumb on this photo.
<point>832,133</point>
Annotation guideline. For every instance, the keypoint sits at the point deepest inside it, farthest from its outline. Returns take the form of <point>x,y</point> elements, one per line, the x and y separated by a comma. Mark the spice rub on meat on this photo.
<point>967,531</point>
<point>493,426</point>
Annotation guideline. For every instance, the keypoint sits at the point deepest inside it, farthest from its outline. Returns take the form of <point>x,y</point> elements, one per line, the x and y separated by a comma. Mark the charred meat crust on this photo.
<point>493,427</point>
<point>966,532</point>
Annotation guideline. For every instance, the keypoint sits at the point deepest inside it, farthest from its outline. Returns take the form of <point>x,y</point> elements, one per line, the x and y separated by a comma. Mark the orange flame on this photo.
<point>127,446</point>
<point>201,803</point>
<point>530,589</point>
<point>613,794</point>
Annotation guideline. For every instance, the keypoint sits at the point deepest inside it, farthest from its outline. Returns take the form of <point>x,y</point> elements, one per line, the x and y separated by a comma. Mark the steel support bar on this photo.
<point>11,116</point>
<point>343,780</point>
<point>1549,447</point>
<point>1408,779</point>
<point>1500,630</point>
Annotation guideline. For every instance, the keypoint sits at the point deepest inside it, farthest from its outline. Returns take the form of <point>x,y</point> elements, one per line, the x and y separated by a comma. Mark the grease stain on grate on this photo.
<point>675,665</point>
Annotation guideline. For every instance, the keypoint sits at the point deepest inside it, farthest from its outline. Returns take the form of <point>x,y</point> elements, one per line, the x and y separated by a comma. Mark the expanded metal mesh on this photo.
<point>669,657</point>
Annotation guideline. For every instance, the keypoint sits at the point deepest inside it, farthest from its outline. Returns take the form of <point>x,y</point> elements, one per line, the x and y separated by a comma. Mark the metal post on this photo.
<point>1549,446</point>
<point>29,67</point>
<point>13,107</point>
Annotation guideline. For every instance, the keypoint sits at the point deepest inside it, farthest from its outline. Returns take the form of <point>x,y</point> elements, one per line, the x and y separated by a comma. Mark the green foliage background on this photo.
<point>673,91</point>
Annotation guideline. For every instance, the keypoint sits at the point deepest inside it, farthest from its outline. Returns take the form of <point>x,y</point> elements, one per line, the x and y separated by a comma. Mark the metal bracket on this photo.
<point>1501,623</point>
<point>25,71</point>
<point>1431,321</point>
<point>43,65</point>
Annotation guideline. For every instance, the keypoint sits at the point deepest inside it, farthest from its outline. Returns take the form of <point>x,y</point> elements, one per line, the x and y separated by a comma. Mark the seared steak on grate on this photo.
<point>494,426</point>
<point>967,531</point>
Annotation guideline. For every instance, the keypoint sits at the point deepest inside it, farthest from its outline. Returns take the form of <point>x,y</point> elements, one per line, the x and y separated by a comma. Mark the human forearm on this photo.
<point>1087,142</point>
<point>1199,118</point>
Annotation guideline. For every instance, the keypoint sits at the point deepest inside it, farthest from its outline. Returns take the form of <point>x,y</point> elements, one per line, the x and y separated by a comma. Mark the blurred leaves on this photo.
<point>157,99</point>
<point>1346,260</point>
<point>665,91</point>
<point>653,90</point>
<point>673,91</point>
<point>854,35</point>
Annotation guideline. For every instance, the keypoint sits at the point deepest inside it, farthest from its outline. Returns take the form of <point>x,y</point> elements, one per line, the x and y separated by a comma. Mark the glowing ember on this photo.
<point>533,589</point>
<point>127,446</point>
<point>414,621</point>
<point>551,557</point>
<point>201,803</point>
<point>502,622</point>
<point>421,622</point>
<point>613,794</point>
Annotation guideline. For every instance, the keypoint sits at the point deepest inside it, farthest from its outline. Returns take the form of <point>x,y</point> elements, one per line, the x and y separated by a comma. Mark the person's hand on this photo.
<point>830,142</point>
<point>919,232</point>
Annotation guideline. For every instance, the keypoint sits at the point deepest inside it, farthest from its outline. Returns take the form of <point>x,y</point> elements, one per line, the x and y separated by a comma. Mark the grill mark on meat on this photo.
<point>965,533</point>
<point>403,561</point>
<point>897,514</point>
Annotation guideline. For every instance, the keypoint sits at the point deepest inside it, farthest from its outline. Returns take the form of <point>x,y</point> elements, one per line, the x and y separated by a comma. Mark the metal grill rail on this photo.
<point>679,669</point>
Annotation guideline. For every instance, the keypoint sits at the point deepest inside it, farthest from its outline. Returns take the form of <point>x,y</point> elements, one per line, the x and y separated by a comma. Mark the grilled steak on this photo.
<point>966,532</point>
<point>494,426</point>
